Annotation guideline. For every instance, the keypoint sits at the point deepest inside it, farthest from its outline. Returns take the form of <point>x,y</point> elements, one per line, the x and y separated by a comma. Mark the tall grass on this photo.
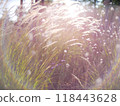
<point>61,46</point>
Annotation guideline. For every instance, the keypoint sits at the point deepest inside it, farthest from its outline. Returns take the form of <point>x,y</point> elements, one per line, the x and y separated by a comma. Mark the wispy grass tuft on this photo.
<point>61,46</point>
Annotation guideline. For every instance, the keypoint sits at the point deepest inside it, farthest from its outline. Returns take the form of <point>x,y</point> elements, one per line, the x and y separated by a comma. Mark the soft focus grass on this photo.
<point>50,48</point>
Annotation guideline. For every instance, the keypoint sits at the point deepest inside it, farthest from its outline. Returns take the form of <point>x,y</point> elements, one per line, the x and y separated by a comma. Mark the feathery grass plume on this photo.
<point>63,45</point>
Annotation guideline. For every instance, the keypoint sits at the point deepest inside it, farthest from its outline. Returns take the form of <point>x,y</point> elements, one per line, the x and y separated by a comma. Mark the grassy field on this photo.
<point>61,46</point>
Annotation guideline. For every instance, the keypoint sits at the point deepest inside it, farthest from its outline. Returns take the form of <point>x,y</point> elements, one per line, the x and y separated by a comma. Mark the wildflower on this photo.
<point>95,44</point>
<point>110,52</point>
<point>62,60</point>
<point>116,17</point>
<point>43,20</point>
<point>86,54</point>
<point>54,66</point>
<point>98,81</point>
<point>103,12</point>
<point>111,36</point>
<point>67,65</point>
<point>112,9</point>
<point>104,43</point>
<point>101,61</point>
<point>88,39</point>
<point>97,52</point>
<point>65,51</point>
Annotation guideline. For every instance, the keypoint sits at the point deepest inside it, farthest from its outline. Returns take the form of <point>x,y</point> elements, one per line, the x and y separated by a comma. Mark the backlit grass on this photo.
<point>61,46</point>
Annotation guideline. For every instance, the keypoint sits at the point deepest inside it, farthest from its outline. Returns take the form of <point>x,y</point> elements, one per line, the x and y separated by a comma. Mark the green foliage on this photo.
<point>117,2</point>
